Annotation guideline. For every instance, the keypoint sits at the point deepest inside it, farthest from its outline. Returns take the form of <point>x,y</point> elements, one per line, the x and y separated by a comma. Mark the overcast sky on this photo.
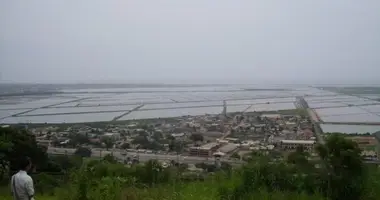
<point>169,41</point>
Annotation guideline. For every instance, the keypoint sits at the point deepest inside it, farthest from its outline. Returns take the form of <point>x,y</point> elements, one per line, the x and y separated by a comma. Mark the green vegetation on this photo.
<point>108,142</point>
<point>338,174</point>
<point>196,137</point>
<point>83,152</point>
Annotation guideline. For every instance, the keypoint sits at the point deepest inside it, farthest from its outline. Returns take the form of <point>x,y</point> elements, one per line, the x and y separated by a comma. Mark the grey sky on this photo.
<point>241,41</point>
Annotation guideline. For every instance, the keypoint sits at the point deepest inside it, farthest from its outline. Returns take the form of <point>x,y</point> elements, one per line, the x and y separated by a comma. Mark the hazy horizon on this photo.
<point>205,42</point>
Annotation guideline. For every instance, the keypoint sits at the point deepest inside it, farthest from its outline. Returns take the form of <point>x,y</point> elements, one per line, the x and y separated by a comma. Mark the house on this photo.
<point>206,150</point>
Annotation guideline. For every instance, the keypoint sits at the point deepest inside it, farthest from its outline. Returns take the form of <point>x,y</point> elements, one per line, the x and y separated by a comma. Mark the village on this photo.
<point>232,137</point>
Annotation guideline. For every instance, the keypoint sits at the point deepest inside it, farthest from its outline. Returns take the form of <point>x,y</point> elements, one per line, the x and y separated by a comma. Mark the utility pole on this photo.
<point>224,113</point>
<point>179,151</point>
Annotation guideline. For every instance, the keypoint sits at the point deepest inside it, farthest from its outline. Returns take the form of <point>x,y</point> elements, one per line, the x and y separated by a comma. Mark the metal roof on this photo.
<point>298,141</point>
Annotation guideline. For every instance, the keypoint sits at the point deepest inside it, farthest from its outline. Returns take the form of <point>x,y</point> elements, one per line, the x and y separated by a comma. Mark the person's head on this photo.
<point>25,164</point>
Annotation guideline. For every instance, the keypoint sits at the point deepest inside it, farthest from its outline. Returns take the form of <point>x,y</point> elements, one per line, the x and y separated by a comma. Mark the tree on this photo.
<point>176,146</point>
<point>109,158</point>
<point>299,157</point>
<point>18,143</point>
<point>258,119</point>
<point>157,136</point>
<point>235,155</point>
<point>152,173</point>
<point>343,169</point>
<point>78,139</point>
<point>226,166</point>
<point>125,146</point>
<point>83,152</point>
<point>154,145</point>
<point>170,137</point>
<point>5,148</point>
<point>66,162</point>
<point>108,142</point>
<point>196,137</point>
<point>150,128</point>
<point>140,140</point>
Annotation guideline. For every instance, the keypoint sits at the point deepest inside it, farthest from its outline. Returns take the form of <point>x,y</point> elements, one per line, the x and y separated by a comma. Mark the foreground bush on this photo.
<point>339,174</point>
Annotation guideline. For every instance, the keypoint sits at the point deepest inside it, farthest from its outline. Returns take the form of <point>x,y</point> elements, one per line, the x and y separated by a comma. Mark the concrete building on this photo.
<point>213,134</point>
<point>293,144</point>
<point>214,127</point>
<point>364,141</point>
<point>206,150</point>
<point>370,155</point>
<point>369,146</point>
<point>221,141</point>
<point>271,116</point>
<point>232,139</point>
<point>178,135</point>
<point>228,148</point>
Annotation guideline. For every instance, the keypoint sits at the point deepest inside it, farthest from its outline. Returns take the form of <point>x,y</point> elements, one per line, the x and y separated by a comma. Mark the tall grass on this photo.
<point>217,187</point>
<point>107,181</point>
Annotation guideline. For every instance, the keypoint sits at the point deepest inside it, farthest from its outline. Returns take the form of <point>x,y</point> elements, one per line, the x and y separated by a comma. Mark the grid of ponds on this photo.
<point>91,105</point>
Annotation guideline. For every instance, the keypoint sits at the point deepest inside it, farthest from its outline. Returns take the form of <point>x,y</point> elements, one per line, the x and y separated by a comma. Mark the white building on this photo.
<point>271,116</point>
<point>220,141</point>
<point>293,144</point>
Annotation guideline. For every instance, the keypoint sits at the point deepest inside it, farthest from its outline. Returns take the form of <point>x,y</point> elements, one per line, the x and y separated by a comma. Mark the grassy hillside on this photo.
<point>338,174</point>
<point>260,180</point>
<point>209,190</point>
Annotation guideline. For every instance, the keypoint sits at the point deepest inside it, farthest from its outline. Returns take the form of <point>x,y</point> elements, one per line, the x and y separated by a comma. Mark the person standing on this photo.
<point>21,183</point>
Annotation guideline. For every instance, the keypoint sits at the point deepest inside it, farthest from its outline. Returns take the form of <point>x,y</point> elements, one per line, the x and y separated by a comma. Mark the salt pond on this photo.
<point>107,103</point>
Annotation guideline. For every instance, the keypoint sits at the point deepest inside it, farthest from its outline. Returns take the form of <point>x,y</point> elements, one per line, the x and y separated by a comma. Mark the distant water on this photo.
<point>101,103</point>
<point>349,129</point>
